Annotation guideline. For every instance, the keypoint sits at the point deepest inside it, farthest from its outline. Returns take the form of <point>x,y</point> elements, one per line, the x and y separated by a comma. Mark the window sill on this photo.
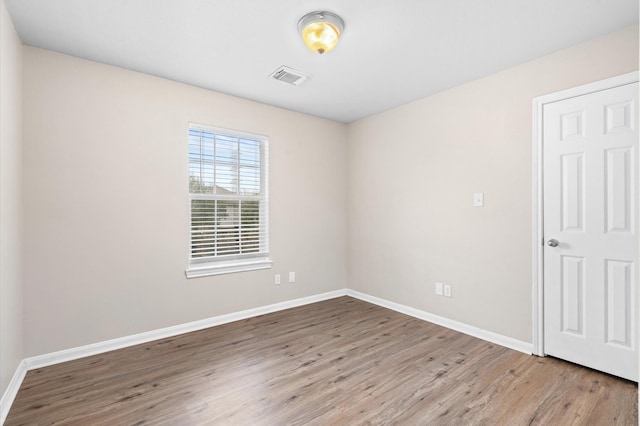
<point>207,269</point>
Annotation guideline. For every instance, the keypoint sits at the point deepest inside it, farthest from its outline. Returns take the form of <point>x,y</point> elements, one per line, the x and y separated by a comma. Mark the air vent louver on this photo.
<point>289,75</point>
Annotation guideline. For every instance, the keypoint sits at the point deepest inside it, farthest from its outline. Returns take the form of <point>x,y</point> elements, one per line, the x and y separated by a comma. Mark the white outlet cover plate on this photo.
<point>478,199</point>
<point>447,291</point>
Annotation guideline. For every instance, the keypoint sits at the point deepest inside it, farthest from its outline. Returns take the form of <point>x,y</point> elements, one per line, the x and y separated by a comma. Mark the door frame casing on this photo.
<point>538,192</point>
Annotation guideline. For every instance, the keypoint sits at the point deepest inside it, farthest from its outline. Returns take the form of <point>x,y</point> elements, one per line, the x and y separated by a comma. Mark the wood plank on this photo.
<point>341,361</point>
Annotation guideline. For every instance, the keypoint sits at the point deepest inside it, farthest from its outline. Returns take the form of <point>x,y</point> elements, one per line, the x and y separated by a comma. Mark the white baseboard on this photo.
<point>12,390</point>
<point>136,339</point>
<point>71,354</point>
<point>489,336</point>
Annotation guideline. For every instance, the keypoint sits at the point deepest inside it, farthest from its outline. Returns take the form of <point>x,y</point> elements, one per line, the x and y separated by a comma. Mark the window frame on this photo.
<point>201,267</point>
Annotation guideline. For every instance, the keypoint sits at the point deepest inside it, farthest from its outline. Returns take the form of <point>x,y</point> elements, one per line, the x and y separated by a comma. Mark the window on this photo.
<point>228,201</point>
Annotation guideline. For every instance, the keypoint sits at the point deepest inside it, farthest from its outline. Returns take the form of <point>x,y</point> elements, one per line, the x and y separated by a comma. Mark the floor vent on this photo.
<point>288,75</point>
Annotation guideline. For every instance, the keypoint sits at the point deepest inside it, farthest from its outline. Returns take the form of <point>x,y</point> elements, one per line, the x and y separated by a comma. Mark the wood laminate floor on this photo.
<point>338,362</point>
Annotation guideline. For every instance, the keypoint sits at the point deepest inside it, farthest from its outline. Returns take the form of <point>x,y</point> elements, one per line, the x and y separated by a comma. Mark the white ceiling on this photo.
<point>391,52</point>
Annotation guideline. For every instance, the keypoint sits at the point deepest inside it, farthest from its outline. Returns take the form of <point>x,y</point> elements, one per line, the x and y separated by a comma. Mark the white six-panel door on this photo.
<point>590,157</point>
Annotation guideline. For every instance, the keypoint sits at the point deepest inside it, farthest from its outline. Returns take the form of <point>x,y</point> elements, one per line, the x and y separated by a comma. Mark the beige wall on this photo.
<point>106,207</point>
<point>106,214</point>
<point>11,349</point>
<point>412,172</point>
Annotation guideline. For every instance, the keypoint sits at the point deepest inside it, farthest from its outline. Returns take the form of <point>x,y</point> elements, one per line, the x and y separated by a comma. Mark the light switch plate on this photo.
<point>439,289</point>
<point>478,199</point>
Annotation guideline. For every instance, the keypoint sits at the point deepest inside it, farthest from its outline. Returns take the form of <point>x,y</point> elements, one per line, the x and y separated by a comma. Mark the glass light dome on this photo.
<point>321,31</point>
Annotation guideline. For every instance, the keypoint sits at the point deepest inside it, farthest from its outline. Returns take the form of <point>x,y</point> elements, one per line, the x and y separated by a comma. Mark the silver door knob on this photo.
<point>553,243</point>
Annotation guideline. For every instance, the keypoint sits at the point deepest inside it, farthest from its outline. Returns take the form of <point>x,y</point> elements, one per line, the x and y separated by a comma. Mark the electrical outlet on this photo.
<point>447,290</point>
<point>277,280</point>
<point>439,289</point>
<point>478,199</point>
<point>292,277</point>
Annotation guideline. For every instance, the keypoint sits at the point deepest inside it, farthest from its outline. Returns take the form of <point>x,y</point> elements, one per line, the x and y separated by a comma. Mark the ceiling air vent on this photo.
<point>288,75</point>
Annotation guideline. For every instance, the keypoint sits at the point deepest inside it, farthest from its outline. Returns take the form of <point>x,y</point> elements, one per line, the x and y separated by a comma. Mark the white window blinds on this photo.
<point>228,200</point>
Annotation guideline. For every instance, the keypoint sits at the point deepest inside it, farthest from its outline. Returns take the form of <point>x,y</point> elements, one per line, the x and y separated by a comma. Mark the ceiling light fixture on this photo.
<point>321,30</point>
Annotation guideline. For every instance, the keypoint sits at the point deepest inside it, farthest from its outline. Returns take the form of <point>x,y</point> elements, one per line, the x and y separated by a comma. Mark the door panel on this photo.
<point>590,202</point>
<point>573,295</point>
<point>619,279</point>
<point>572,192</point>
<point>619,209</point>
